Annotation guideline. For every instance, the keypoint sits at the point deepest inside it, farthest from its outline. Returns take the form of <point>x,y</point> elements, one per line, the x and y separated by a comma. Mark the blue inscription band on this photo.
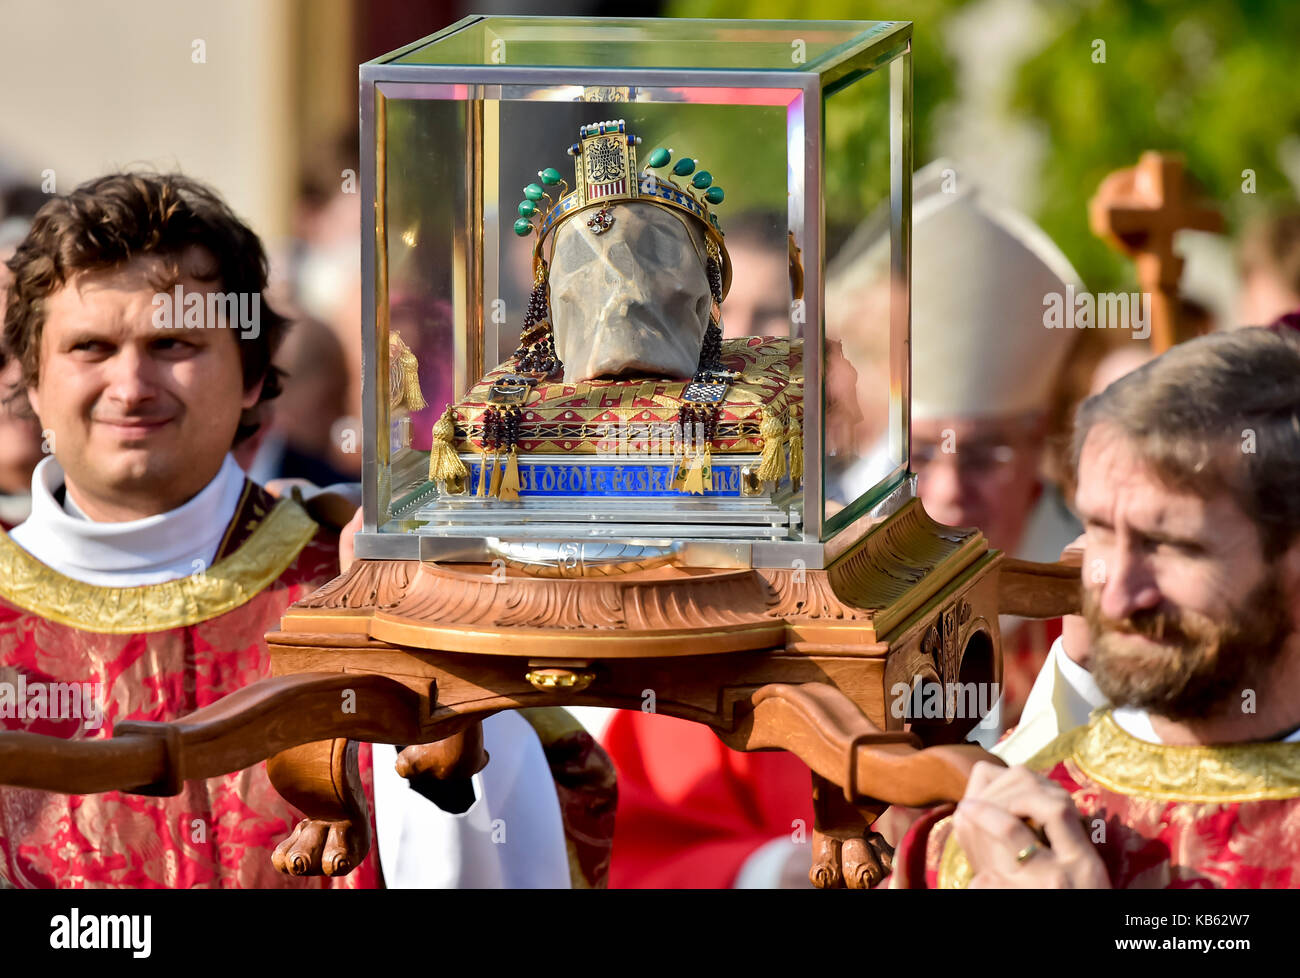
<point>622,479</point>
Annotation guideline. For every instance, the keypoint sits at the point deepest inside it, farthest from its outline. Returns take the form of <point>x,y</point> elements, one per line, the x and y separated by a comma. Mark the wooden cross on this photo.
<point>1138,210</point>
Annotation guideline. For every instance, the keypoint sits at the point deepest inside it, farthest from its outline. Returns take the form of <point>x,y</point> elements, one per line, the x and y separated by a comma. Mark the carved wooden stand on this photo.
<point>800,660</point>
<point>418,654</point>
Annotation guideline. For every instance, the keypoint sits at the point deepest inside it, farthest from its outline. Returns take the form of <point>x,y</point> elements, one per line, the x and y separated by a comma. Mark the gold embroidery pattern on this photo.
<point>230,582</point>
<point>1110,757</point>
<point>1225,773</point>
<point>1057,751</point>
<point>954,869</point>
<point>561,418</point>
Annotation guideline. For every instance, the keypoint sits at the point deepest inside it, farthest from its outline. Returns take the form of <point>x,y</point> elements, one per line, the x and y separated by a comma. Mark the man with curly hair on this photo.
<point>150,568</point>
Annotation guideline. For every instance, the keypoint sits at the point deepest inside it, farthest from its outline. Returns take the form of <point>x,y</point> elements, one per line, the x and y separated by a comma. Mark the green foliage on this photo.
<point>1214,81</point>
<point>857,123</point>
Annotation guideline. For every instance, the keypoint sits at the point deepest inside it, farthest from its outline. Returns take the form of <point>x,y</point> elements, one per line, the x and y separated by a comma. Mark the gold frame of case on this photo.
<point>445,124</point>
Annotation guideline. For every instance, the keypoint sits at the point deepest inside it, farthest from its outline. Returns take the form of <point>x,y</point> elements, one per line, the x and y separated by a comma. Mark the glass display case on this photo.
<point>596,310</point>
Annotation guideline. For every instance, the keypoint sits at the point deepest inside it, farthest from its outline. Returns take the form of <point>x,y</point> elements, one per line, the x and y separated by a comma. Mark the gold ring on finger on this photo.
<point>1027,853</point>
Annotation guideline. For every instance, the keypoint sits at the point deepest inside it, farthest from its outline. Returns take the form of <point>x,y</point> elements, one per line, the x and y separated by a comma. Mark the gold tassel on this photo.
<point>444,463</point>
<point>771,465</point>
<point>694,483</point>
<point>708,469</point>
<point>679,477</point>
<point>495,491</point>
<point>680,456</point>
<point>410,367</point>
<point>483,476</point>
<point>794,437</point>
<point>510,482</point>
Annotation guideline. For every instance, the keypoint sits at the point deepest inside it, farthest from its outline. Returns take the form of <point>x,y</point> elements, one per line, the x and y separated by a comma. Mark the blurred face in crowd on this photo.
<point>1184,611</point>
<point>758,303</point>
<point>141,416</point>
<point>1264,296</point>
<point>20,435</point>
<point>979,472</point>
<point>20,440</point>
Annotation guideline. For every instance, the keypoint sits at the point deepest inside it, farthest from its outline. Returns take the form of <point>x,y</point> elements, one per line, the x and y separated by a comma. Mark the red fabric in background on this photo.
<point>1024,650</point>
<point>690,809</point>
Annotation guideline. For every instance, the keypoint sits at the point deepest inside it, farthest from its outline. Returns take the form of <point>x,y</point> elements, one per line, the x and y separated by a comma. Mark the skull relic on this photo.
<point>629,297</point>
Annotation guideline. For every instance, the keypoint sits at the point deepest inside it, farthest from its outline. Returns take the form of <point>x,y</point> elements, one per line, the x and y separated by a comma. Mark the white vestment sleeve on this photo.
<point>1063,696</point>
<point>766,864</point>
<point>511,836</point>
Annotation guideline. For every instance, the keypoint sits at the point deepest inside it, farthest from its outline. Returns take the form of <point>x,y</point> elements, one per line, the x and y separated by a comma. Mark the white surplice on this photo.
<point>510,837</point>
<point>1062,697</point>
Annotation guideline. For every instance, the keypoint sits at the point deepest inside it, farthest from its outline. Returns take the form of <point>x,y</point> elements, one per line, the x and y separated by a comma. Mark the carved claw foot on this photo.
<point>825,873</point>
<point>459,756</point>
<point>441,771</point>
<point>322,781</point>
<point>857,862</point>
<point>847,852</point>
<point>319,847</point>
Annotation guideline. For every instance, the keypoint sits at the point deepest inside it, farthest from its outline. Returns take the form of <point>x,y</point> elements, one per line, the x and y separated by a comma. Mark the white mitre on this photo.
<point>980,275</point>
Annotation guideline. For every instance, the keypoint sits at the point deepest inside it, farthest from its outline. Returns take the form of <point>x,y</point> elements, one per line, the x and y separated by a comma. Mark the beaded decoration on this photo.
<point>500,434</point>
<point>698,417</point>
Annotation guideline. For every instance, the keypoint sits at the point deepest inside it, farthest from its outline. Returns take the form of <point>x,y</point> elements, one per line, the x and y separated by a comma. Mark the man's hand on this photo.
<point>347,554</point>
<point>1005,853</point>
<point>331,507</point>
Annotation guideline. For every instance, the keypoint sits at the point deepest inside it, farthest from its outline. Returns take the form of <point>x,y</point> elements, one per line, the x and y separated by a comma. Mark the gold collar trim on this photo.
<point>230,582</point>
<point>954,868</point>
<point>1223,773</point>
<point>1116,760</point>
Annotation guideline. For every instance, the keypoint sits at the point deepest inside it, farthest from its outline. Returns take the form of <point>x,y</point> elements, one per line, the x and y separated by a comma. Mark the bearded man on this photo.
<point>1189,490</point>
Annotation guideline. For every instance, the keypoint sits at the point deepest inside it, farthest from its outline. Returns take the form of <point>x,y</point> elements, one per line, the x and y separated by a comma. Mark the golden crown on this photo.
<point>605,172</point>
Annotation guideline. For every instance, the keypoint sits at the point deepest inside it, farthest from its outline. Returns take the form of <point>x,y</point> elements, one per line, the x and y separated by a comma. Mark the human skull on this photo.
<point>632,300</point>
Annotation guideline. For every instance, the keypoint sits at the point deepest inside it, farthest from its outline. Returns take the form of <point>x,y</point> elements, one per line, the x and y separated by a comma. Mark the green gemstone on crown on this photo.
<point>658,158</point>
<point>527,208</point>
<point>714,195</point>
<point>533,192</point>
<point>685,166</point>
<point>550,176</point>
<point>523,226</point>
<point>702,179</point>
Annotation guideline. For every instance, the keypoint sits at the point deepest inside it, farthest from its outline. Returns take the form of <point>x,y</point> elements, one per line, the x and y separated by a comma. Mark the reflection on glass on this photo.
<point>443,154</point>
<point>425,204</point>
<point>760,300</point>
<point>861,446</point>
